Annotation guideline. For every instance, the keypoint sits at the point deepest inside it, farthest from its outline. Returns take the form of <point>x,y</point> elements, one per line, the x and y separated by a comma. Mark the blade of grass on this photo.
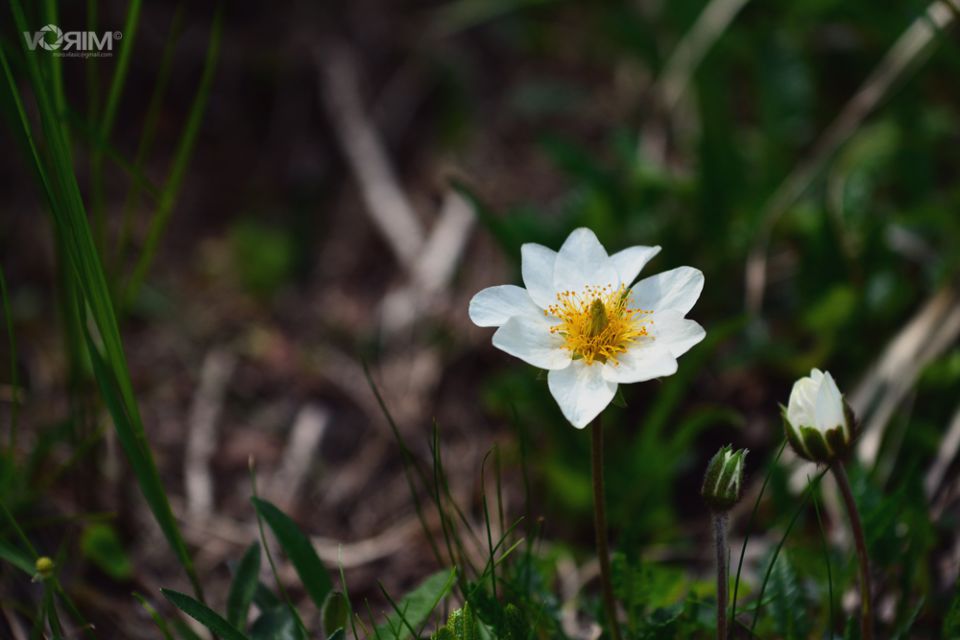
<point>266,547</point>
<point>486,522</point>
<point>746,537</point>
<point>179,169</point>
<point>67,209</point>
<point>130,27</point>
<point>150,123</point>
<point>409,464</point>
<point>346,594</point>
<point>826,561</point>
<point>158,620</point>
<point>14,371</point>
<point>811,487</point>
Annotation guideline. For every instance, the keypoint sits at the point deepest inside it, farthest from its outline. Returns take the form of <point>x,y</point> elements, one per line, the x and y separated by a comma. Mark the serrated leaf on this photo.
<point>299,550</point>
<point>244,586</point>
<point>203,614</point>
<point>786,600</point>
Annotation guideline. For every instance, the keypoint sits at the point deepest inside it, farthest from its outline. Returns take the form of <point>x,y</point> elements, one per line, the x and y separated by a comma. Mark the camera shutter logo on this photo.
<point>47,31</point>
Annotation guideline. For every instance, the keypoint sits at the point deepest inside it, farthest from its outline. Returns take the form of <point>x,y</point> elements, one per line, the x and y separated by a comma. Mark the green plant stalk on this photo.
<point>723,572</point>
<point>600,527</point>
<point>866,604</point>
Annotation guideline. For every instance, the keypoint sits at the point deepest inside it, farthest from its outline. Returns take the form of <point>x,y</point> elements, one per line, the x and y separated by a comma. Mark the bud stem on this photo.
<point>866,605</point>
<point>600,527</point>
<point>723,580</point>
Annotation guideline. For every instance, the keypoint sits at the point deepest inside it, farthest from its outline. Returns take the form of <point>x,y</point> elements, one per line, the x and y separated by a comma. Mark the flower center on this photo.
<point>596,323</point>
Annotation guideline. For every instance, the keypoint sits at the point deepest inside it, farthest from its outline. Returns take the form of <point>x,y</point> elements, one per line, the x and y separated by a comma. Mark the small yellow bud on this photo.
<point>44,567</point>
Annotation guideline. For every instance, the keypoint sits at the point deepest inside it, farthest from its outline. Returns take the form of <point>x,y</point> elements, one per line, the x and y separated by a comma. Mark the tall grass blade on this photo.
<point>158,620</point>
<point>811,487</point>
<point>150,123</point>
<point>746,538</point>
<point>14,370</point>
<point>184,150</point>
<point>83,260</point>
<point>409,464</point>
<point>130,27</point>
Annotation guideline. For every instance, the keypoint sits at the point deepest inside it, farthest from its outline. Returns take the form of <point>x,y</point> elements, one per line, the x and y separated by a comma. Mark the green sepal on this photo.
<point>837,441</point>
<point>814,443</point>
<point>792,436</point>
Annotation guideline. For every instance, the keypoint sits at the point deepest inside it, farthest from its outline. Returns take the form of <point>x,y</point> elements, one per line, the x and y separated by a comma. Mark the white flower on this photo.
<point>580,319</point>
<point>818,423</point>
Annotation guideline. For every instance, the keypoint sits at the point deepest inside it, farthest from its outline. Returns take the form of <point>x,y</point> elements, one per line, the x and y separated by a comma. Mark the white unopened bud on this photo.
<point>819,425</point>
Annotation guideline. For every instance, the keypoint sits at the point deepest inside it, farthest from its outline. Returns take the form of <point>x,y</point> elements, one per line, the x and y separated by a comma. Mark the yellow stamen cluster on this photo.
<point>596,323</point>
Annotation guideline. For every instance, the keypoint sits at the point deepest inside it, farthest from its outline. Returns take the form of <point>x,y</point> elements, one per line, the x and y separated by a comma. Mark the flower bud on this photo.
<point>44,567</point>
<point>819,424</point>
<point>723,481</point>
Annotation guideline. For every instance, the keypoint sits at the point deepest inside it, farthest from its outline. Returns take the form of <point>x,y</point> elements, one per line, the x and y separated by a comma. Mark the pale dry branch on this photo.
<point>305,436</point>
<point>386,203</point>
<point>946,453</point>
<point>217,369</point>
<point>935,328</point>
<point>434,269</point>
<point>686,57</point>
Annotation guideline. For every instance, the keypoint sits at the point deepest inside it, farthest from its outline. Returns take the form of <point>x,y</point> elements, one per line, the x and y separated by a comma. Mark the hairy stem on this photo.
<point>866,604</point>
<point>723,579</point>
<point>600,526</point>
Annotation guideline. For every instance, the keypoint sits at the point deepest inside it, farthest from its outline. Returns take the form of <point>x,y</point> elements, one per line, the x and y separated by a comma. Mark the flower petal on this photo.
<point>581,391</point>
<point>640,364</point>
<point>800,408</point>
<point>536,266</point>
<point>674,290</point>
<point>495,305</point>
<point>630,261</point>
<point>675,333</point>
<point>530,340</point>
<point>583,261</point>
<point>829,407</point>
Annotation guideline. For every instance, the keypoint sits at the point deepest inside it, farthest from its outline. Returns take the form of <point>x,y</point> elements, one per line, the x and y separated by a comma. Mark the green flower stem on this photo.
<point>600,526</point>
<point>723,579</point>
<point>866,604</point>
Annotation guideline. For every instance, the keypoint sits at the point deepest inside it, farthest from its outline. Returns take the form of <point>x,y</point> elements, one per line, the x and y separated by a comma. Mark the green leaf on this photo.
<point>336,610</point>
<point>277,623</point>
<point>417,605</point>
<point>100,544</point>
<point>244,586</point>
<point>299,549</point>
<point>203,614</point>
<point>18,559</point>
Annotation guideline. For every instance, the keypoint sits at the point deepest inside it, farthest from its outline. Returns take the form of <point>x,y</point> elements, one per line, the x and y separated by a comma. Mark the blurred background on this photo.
<point>286,192</point>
